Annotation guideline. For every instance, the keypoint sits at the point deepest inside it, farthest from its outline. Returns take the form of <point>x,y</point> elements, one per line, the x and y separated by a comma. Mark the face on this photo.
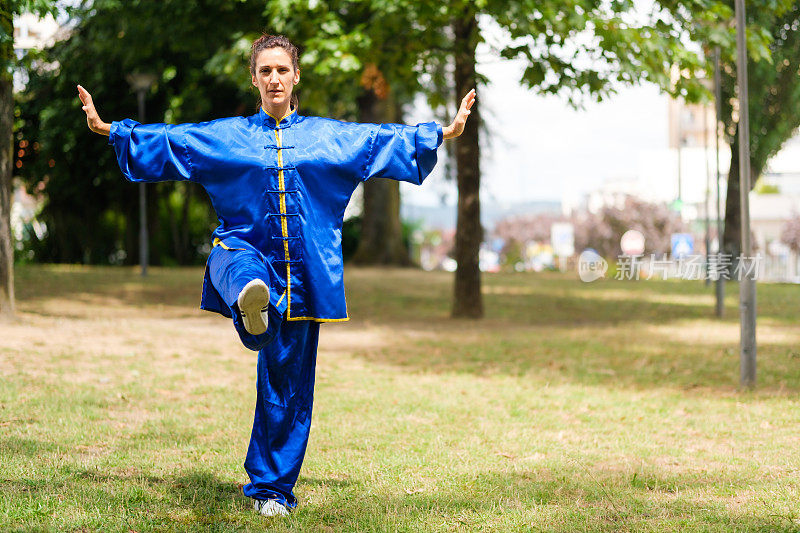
<point>275,77</point>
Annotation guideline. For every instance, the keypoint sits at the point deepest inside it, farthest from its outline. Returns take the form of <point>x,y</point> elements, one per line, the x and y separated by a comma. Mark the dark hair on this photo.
<point>266,42</point>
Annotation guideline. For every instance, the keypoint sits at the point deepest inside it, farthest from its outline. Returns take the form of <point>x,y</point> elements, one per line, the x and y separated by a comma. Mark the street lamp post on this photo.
<point>679,200</point>
<point>141,82</point>
<point>747,285</point>
<point>708,194</point>
<point>720,282</point>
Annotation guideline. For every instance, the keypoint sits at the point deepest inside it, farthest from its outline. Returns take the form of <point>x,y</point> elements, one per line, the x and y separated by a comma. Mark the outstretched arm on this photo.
<point>408,153</point>
<point>145,152</point>
<point>457,127</point>
<point>92,118</point>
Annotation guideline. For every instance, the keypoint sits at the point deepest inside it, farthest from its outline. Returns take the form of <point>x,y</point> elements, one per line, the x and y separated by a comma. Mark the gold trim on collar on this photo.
<point>291,110</point>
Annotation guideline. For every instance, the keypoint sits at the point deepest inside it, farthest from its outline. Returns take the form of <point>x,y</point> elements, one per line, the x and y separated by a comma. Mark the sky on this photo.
<point>539,148</point>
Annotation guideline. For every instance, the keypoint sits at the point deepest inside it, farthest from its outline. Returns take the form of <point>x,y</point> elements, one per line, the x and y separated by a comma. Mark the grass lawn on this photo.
<point>605,406</point>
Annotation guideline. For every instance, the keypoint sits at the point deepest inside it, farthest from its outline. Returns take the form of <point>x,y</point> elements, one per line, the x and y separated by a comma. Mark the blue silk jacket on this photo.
<point>281,187</point>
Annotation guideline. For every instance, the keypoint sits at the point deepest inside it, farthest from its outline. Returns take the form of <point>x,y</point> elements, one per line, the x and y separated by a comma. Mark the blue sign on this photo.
<point>682,245</point>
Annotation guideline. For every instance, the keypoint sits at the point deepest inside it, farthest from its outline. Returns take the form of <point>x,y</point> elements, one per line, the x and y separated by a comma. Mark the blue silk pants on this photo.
<point>287,354</point>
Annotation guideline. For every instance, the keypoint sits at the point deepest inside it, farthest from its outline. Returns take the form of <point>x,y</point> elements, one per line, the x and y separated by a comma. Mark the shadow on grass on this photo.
<point>194,497</point>
<point>613,333</point>
<point>22,446</point>
<point>539,306</point>
<point>568,500</point>
<point>319,482</point>
<point>553,357</point>
<point>122,286</point>
<point>535,500</point>
<point>553,298</point>
<point>189,501</point>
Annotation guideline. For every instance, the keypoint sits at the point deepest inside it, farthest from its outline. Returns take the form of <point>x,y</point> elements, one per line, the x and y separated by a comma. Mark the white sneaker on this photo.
<point>253,303</point>
<point>270,508</point>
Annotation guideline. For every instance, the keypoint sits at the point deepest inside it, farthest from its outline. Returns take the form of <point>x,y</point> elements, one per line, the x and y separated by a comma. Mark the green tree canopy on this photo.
<point>89,209</point>
<point>774,100</point>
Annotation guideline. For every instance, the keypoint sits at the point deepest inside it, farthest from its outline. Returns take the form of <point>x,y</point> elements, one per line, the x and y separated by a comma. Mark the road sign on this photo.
<point>562,238</point>
<point>682,245</point>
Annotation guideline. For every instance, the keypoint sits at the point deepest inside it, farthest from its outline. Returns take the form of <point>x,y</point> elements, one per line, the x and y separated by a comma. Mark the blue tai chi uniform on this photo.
<point>279,188</point>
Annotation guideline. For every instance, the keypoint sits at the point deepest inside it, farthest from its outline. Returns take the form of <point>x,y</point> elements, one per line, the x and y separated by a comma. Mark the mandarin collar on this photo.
<point>273,123</point>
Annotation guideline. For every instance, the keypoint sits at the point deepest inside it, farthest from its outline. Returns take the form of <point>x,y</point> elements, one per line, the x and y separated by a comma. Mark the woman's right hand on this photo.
<point>457,127</point>
<point>92,118</point>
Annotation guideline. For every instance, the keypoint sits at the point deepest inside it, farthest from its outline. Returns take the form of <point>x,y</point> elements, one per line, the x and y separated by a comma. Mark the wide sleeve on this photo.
<point>404,153</point>
<point>151,152</point>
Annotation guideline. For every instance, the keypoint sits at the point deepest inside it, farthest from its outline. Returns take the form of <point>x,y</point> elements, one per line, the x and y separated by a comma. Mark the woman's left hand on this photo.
<point>457,127</point>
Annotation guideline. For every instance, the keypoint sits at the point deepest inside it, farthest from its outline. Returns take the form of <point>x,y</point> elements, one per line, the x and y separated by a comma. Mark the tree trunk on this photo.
<point>6,162</point>
<point>154,221</point>
<point>467,301</point>
<point>179,226</point>
<point>732,236</point>
<point>186,255</point>
<point>381,240</point>
<point>131,211</point>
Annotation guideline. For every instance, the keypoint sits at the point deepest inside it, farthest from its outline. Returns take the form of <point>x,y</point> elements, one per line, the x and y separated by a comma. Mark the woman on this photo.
<point>279,183</point>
